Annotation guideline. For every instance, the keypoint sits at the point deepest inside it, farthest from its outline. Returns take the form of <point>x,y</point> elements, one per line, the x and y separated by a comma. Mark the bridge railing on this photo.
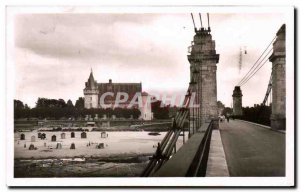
<point>167,146</point>
<point>191,159</point>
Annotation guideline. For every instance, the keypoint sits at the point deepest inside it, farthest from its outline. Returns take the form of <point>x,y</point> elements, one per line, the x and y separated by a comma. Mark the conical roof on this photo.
<point>91,80</point>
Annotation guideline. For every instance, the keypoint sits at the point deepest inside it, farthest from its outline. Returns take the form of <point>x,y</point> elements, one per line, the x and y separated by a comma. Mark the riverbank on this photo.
<point>124,154</point>
<point>165,126</point>
<point>127,124</point>
<point>114,143</point>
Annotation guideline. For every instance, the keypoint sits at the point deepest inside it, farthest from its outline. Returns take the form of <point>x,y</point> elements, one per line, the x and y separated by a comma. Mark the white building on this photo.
<point>146,111</point>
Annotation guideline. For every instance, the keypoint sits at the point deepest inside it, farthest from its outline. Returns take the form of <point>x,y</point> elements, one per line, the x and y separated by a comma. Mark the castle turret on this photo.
<point>91,93</point>
<point>237,101</point>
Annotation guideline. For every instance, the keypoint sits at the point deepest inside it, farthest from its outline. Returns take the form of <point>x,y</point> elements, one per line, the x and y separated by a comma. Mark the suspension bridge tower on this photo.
<point>203,67</point>
<point>237,101</point>
<point>278,81</point>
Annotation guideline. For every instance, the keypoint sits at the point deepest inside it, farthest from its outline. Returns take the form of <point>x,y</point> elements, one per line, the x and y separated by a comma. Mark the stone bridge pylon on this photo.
<point>203,67</point>
<point>278,116</point>
<point>237,101</point>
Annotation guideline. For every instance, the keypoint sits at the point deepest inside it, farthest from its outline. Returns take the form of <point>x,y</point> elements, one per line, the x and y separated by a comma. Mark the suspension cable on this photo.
<point>256,62</point>
<point>269,89</point>
<point>200,20</point>
<point>208,19</point>
<point>255,72</point>
<point>193,22</point>
<point>257,66</point>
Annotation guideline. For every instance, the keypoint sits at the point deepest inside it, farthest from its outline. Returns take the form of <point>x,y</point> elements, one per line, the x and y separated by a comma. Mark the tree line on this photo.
<point>258,114</point>
<point>58,109</point>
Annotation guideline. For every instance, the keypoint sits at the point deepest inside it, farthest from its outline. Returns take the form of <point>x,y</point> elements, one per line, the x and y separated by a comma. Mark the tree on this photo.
<point>220,104</point>
<point>258,113</point>
<point>61,103</point>
<point>160,112</point>
<point>50,103</point>
<point>41,102</point>
<point>26,107</point>
<point>18,104</point>
<point>70,104</point>
<point>79,104</point>
<point>227,111</point>
<point>57,109</point>
<point>221,107</point>
<point>21,110</point>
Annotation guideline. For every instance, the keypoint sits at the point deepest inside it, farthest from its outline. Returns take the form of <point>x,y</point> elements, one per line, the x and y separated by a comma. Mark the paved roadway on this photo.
<point>251,150</point>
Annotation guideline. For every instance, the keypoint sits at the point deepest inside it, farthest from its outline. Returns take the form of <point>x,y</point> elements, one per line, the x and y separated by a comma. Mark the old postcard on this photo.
<point>150,96</point>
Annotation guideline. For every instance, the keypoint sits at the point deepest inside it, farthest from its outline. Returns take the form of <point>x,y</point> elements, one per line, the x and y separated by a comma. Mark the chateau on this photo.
<point>93,92</point>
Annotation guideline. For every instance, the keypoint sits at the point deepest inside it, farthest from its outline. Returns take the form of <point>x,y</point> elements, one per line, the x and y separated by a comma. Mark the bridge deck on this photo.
<point>251,150</point>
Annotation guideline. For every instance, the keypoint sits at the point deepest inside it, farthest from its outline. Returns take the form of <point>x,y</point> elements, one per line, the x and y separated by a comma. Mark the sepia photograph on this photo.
<point>123,96</point>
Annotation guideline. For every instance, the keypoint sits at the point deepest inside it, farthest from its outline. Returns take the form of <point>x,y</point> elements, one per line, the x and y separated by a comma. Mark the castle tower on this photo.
<point>91,93</point>
<point>203,59</point>
<point>237,101</point>
<point>278,115</point>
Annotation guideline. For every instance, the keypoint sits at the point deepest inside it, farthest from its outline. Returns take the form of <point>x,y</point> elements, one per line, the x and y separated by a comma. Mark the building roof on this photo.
<point>91,83</point>
<point>130,88</point>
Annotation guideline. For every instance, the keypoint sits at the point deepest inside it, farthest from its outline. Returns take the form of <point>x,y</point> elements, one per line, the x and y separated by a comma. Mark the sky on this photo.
<point>54,53</point>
